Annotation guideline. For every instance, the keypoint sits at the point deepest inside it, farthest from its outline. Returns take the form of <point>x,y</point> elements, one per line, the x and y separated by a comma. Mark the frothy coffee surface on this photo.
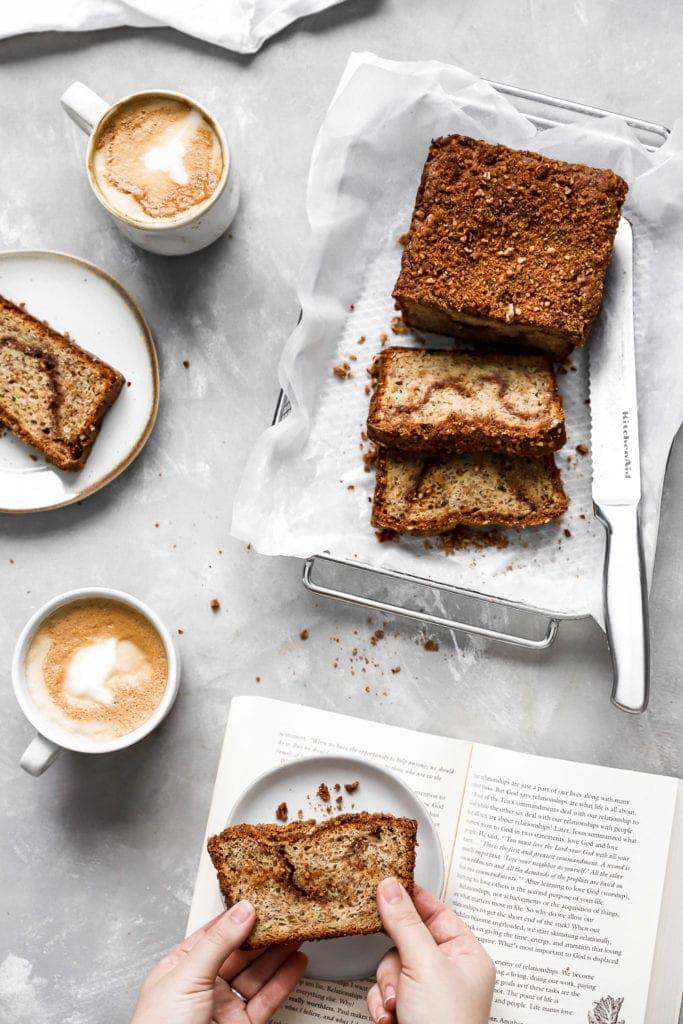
<point>96,668</point>
<point>156,158</point>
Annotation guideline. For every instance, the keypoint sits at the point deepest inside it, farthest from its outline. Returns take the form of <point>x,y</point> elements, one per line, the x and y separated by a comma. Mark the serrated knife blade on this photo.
<point>616,478</point>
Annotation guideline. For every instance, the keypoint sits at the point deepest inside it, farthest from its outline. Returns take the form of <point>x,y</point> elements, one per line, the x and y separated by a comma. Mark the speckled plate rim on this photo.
<point>154,367</point>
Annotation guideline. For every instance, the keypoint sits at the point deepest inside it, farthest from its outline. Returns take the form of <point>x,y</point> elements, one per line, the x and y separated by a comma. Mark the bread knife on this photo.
<point>616,480</point>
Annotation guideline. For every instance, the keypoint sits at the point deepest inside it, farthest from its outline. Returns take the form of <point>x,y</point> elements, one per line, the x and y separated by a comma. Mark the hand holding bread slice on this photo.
<point>313,880</point>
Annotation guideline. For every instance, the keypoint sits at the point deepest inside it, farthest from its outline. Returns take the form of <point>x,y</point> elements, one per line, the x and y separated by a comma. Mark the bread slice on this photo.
<point>312,880</point>
<point>508,245</point>
<point>438,401</point>
<point>53,394</point>
<point>416,493</point>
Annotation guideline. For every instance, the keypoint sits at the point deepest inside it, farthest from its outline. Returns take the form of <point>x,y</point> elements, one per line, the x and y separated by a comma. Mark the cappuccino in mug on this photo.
<point>96,668</point>
<point>155,158</point>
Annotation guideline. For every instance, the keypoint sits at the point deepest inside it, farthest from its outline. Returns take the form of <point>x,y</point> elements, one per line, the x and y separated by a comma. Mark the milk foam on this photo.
<point>97,672</point>
<point>96,668</point>
<point>156,159</point>
<point>169,156</point>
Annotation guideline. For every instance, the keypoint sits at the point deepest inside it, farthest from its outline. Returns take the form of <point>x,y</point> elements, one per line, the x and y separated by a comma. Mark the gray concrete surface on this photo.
<point>98,857</point>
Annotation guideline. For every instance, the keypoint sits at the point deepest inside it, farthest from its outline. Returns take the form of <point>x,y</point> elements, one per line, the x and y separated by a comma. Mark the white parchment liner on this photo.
<point>305,490</point>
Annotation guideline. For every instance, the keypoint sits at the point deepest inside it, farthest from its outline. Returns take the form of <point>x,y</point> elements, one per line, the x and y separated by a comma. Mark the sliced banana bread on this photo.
<point>311,880</point>
<point>509,245</point>
<point>437,401</point>
<point>416,493</point>
<point>53,394</point>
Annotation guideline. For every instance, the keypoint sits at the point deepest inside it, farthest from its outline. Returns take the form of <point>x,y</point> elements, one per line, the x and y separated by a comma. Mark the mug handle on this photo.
<point>39,755</point>
<point>84,106</point>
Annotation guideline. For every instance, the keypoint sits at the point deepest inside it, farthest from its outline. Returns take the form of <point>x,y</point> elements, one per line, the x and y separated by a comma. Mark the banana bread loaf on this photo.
<point>509,245</point>
<point>311,880</point>
<point>53,394</point>
<point>418,493</point>
<point>445,401</point>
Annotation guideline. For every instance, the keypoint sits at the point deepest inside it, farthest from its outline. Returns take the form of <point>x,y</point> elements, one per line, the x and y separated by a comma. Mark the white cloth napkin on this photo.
<point>240,25</point>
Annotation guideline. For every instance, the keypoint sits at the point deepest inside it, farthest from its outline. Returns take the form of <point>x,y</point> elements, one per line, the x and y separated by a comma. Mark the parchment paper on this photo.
<point>305,489</point>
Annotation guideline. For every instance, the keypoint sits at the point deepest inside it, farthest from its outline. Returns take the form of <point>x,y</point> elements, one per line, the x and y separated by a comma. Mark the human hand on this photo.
<point>438,973</point>
<point>197,981</point>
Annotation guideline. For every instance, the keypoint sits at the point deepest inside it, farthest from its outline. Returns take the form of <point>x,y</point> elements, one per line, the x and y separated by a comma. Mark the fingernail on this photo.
<point>241,912</point>
<point>391,890</point>
<point>383,1018</point>
<point>390,997</point>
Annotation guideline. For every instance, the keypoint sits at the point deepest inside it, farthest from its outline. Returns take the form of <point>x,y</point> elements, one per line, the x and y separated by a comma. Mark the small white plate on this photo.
<point>78,298</point>
<point>296,784</point>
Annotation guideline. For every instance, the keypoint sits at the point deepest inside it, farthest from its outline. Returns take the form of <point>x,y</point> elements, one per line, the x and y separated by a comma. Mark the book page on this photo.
<point>665,999</point>
<point>559,869</point>
<point>263,733</point>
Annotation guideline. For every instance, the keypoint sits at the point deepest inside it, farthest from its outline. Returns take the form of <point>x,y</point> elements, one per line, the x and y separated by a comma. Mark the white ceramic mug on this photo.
<point>195,228</point>
<point>51,739</point>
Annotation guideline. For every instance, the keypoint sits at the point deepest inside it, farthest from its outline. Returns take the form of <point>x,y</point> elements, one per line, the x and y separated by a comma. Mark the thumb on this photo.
<point>227,934</point>
<point>403,924</point>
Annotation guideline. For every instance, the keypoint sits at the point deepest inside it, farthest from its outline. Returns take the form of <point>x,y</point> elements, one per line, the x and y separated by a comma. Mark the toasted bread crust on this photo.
<point>508,244</point>
<point>446,401</point>
<point>19,331</point>
<point>420,494</point>
<point>278,845</point>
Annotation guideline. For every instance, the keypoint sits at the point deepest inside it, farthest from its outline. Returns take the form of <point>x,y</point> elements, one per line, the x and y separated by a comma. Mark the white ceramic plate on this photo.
<point>356,956</point>
<point>98,313</point>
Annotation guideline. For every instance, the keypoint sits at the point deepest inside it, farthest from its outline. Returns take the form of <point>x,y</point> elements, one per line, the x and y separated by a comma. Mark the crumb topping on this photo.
<point>282,812</point>
<point>511,236</point>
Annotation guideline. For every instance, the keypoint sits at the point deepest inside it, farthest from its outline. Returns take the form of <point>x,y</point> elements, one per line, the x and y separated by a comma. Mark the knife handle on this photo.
<point>625,593</point>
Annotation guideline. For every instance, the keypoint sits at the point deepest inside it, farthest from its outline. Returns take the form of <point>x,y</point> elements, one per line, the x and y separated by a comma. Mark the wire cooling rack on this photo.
<point>406,595</point>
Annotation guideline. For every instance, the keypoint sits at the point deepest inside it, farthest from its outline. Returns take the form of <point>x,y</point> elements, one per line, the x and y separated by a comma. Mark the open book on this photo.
<point>570,874</point>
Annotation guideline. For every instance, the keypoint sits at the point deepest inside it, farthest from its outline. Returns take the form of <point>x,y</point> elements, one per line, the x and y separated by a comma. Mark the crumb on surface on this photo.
<point>186,364</point>
<point>281,812</point>
<point>370,459</point>
<point>398,326</point>
<point>303,635</point>
<point>323,793</point>
<point>463,537</point>
<point>361,340</point>
<point>567,533</point>
<point>582,449</point>
<point>395,670</point>
<point>351,787</point>
<point>215,604</point>
<point>342,370</point>
<point>430,645</point>
<point>258,679</point>
<point>376,637</point>
<point>385,535</point>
